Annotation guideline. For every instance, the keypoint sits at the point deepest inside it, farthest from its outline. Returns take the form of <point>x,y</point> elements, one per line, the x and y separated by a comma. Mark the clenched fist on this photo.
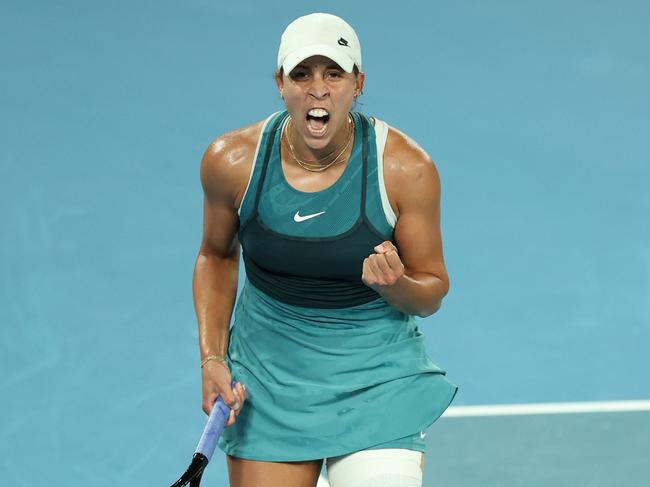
<point>384,267</point>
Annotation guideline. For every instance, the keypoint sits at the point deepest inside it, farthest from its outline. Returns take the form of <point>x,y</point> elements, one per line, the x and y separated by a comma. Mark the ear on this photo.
<point>360,82</point>
<point>279,82</point>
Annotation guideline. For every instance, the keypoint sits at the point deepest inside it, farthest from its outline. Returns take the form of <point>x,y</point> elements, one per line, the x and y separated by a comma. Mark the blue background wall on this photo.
<point>535,113</point>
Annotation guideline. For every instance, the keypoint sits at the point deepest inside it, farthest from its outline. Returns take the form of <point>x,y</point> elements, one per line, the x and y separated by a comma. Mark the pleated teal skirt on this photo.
<point>328,382</point>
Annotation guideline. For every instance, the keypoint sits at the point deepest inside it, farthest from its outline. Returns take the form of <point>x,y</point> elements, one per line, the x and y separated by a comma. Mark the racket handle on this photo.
<point>214,427</point>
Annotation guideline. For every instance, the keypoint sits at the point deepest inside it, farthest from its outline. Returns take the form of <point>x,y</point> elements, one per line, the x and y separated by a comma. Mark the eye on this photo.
<point>298,74</point>
<point>335,74</point>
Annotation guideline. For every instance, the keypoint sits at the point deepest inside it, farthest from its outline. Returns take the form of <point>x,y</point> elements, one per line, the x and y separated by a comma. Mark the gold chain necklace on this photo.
<point>314,166</point>
<point>293,153</point>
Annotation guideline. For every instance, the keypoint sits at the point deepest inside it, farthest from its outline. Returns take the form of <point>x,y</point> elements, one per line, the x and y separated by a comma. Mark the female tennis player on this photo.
<point>337,215</point>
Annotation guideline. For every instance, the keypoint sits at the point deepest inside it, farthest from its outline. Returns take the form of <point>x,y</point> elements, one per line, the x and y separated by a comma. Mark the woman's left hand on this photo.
<point>384,267</point>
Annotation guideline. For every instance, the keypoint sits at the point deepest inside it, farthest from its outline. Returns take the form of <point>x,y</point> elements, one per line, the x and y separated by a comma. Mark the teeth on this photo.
<point>318,112</point>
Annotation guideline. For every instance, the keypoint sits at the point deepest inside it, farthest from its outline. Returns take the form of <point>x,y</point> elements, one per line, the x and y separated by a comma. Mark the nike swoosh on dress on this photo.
<point>298,218</point>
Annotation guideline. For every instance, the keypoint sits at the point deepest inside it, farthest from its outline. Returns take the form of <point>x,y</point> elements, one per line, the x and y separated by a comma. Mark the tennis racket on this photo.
<point>208,442</point>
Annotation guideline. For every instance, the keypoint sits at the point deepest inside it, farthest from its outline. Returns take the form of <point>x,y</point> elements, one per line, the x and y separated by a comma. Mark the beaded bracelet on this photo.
<point>213,357</point>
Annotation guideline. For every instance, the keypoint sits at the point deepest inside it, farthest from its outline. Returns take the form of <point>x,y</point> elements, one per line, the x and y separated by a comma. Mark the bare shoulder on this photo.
<point>227,163</point>
<point>409,173</point>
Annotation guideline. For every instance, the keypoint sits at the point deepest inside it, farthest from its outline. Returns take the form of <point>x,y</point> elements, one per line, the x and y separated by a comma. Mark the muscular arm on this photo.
<point>215,272</point>
<point>225,168</point>
<point>413,279</point>
<point>224,171</point>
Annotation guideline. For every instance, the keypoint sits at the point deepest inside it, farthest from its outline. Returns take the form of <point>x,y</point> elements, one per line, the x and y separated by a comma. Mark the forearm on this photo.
<point>215,290</point>
<point>415,293</point>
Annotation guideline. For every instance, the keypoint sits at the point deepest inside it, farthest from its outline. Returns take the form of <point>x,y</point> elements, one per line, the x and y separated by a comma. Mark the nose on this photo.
<point>318,88</point>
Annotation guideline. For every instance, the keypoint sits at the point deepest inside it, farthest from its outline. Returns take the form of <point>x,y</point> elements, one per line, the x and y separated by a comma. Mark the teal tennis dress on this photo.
<point>330,367</point>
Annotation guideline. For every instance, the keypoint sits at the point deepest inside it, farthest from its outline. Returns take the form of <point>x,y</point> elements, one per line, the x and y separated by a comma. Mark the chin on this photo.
<point>317,143</point>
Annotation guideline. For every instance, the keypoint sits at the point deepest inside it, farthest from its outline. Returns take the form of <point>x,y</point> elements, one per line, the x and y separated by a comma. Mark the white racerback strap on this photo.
<point>381,132</point>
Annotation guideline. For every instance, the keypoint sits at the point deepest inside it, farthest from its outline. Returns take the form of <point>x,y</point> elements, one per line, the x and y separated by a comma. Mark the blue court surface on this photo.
<point>537,117</point>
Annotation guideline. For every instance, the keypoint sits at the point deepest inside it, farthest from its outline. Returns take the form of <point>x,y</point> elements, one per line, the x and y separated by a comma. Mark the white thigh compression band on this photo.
<point>386,467</point>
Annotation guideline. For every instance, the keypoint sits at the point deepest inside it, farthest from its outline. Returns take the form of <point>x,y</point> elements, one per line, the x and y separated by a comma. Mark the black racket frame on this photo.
<point>194,472</point>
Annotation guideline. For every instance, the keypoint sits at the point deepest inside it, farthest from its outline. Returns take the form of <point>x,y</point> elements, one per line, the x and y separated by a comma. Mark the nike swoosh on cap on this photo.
<point>298,218</point>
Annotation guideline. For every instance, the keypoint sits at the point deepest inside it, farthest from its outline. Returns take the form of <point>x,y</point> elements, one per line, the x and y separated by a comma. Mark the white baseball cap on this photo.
<point>319,34</point>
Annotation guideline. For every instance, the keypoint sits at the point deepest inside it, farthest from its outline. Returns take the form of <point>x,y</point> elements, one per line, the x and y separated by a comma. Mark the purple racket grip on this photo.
<point>214,427</point>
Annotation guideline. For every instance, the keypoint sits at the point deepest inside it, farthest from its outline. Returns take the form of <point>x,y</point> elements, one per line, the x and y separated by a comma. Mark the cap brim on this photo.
<point>299,55</point>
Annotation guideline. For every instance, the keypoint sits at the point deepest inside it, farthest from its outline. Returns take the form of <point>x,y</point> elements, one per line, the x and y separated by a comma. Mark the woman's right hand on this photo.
<point>216,379</point>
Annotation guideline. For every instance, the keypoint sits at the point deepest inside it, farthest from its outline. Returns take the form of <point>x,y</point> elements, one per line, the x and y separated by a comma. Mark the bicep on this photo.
<point>220,224</point>
<point>417,231</point>
<point>220,217</point>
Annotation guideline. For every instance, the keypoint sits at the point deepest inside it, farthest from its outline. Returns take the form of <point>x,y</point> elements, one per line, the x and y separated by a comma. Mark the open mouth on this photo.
<point>317,119</point>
